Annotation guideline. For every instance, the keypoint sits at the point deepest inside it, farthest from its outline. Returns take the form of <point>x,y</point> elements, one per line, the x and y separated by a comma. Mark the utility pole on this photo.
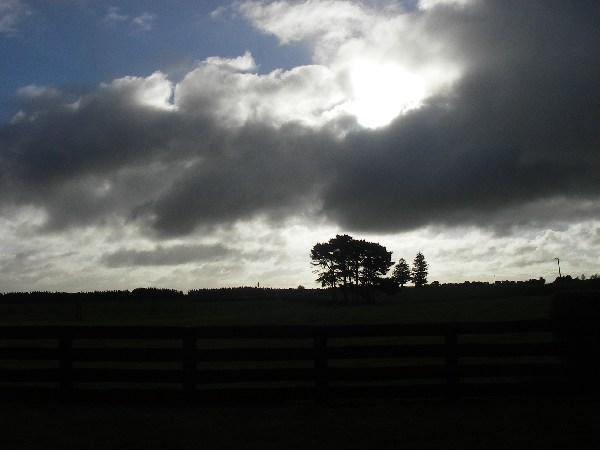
<point>558,262</point>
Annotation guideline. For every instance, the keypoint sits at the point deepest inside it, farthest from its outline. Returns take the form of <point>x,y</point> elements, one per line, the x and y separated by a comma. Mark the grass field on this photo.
<point>276,311</point>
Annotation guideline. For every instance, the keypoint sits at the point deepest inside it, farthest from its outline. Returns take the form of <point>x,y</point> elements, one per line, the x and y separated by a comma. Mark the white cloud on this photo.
<point>11,13</point>
<point>141,22</point>
<point>370,64</point>
<point>33,91</point>
<point>154,91</point>
<point>19,116</point>
<point>233,95</point>
<point>244,63</point>
<point>373,64</point>
<point>327,21</point>
<point>114,15</point>
<point>428,4</point>
<point>144,22</point>
<point>385,59</point>
<point>219,12</point>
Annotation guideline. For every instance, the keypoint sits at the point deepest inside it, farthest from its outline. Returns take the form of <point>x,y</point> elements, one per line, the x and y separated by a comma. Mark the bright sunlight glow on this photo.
<point>381,92</point>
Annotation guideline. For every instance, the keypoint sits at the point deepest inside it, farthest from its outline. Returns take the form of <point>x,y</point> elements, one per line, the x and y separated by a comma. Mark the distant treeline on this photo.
<point>534,284</point>
<point>150,294</point>
<point>255,293</point>
<point>116,295</point>
<point>433,290</point>
<point>500,289</point>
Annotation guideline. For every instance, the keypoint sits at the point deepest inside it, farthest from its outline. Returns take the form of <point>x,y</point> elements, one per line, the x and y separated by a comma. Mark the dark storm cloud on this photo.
<point>166,256</point>
<point>105,154</point>
<point>262,171</point>
<point>519,129</point>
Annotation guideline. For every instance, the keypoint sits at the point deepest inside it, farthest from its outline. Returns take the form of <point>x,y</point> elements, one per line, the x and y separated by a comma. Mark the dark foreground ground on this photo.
<point>483,424</point>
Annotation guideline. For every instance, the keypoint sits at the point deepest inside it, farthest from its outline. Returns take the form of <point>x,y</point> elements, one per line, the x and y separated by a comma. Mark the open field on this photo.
<point>276,311</point>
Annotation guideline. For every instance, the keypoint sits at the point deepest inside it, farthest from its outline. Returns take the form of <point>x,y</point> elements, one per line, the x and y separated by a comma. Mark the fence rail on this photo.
<point>326,360</point>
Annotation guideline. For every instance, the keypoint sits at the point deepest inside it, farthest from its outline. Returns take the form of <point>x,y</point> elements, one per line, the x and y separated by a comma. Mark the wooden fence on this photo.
<point>324,361</point>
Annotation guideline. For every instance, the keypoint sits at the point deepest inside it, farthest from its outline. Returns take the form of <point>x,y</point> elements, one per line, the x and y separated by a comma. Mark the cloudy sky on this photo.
<point>196,144</point>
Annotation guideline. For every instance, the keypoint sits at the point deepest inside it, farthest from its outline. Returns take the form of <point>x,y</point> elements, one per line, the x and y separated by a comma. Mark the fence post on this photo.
<point>189,360</point>
<point>321,378</point>
<point>66,364</point>
<point>451,343</point>
<point>595,356</point>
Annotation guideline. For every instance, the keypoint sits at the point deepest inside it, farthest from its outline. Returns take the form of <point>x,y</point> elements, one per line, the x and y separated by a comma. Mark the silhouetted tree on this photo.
<point>346,262</point>
<point>322,256</point>
<point>375,261</point>
<point>344,255</point>
<point>335,260</point>
<point>401,273</point>
<point>419,270</point>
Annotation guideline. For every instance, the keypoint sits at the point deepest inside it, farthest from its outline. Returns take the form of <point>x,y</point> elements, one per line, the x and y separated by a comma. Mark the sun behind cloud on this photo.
<point>384,60</point>
<point>380,92</point>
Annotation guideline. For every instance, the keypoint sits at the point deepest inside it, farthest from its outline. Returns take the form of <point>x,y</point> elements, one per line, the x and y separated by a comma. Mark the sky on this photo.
<point>190,144</point>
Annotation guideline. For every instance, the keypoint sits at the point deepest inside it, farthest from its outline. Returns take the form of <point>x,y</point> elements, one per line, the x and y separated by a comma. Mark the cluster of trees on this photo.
<point>403,274</point>
<point>356,265</point>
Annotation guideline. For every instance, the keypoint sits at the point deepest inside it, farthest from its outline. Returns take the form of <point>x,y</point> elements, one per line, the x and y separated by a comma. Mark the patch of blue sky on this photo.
<point>77,45</point>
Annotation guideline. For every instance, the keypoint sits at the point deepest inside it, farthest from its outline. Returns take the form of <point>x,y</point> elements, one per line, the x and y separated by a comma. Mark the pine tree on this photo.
<point>401,273</point>
<point>419,270</point>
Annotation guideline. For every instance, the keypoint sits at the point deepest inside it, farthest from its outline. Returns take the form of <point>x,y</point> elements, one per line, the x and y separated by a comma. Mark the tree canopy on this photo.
<point>347,262</point>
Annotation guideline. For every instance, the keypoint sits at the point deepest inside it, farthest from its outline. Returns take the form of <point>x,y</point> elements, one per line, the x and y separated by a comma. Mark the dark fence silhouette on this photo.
<point>322,361</point>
